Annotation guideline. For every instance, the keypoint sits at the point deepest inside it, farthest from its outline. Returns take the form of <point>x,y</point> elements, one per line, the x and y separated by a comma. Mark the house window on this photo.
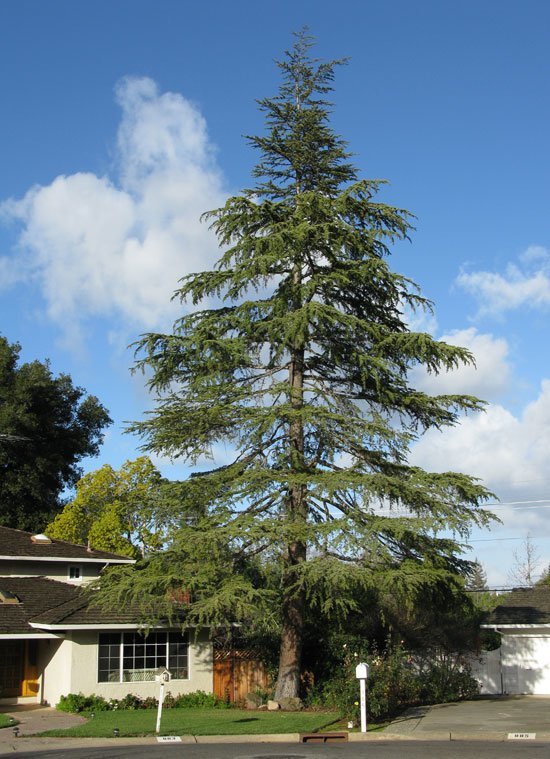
<point>75,572</point>
<point>133,657</point>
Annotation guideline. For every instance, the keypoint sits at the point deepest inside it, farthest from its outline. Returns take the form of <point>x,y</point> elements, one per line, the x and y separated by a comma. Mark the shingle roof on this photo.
<point>77,611</point>
<point>523,607</point>
<point>36,595</point>
<point>46,602</point>
<point>17,544</point>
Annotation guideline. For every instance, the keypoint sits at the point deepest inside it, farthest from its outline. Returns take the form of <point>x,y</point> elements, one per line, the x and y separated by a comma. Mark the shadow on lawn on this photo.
<point>247,719</point>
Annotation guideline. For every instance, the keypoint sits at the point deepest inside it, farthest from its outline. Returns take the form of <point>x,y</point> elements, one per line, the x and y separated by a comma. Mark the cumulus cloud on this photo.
<point>509,452</point>
<point>526,283</point>
<point>488,378</point>
<point>115,247</point>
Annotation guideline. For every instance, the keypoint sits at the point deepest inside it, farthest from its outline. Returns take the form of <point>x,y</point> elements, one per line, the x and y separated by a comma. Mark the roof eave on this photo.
<point>515,625</point>
<point>32,636</point>
<point>76,559</point>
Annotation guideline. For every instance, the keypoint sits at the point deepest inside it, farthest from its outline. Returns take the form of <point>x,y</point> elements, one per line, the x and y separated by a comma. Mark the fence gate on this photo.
<point>238,672</point>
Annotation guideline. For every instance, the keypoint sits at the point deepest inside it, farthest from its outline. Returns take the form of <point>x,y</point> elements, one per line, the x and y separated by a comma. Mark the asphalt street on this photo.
<point>379,750</point>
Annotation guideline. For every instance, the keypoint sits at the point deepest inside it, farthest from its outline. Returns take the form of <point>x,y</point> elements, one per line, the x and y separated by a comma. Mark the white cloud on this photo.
<point>104,247</point>
<point>487,379</point>
<point>510,453</point>
<point>526,284</point>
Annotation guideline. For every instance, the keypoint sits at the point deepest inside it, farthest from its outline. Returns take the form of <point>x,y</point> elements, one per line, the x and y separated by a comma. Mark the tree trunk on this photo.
<point>290,654</point>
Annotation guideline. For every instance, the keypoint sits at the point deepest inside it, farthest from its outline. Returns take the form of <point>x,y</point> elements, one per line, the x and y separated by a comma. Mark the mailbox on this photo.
<point>162,675</point>
<point>362,671</point>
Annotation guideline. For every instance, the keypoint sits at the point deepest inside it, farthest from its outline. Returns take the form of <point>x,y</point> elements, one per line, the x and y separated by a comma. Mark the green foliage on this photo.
<point>197,699</point>
<point>77,702</point>
<point>47,426</point>
<point>120,511</point>
<point>397,680</point>
<point>297,358</point>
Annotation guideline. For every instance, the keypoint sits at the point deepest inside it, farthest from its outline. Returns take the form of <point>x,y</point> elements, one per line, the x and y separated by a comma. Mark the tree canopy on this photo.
<point>47,426</point>
<point>297,357</point>
<point>120,511</point>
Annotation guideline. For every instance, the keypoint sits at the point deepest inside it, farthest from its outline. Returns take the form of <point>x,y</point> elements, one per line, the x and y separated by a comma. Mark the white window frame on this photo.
<point>77,567</point>
<point>135,633</point>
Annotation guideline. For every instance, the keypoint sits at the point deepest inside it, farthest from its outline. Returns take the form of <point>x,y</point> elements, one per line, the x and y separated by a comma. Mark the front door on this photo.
<point>30,685</point>
<point>12,662</point>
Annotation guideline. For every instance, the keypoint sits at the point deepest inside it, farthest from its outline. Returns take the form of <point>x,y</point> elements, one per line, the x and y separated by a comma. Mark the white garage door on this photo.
<point>526,664</point>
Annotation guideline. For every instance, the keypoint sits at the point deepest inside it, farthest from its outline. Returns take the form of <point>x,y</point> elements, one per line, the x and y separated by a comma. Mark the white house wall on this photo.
<point>75,671</point>
<point>54,662</point>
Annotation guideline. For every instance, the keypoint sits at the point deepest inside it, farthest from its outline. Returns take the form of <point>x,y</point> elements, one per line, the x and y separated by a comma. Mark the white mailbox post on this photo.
<point>362,673</point>
<point>162,676</point>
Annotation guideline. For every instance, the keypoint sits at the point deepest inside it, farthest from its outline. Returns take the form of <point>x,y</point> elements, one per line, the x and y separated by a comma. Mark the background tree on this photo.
<point>120,511</point>
<point>477,580</point>
<point>525,568</point>
<point>302,367</point>
<point>47,426</point>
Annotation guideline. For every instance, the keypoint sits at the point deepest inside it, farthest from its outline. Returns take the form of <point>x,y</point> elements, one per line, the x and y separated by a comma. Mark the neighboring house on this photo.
<point>53,643</point>
<point>522,664</point>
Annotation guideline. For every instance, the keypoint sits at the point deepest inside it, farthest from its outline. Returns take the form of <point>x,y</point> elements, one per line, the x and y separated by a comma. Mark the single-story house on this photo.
<point>53,643</point>
<point>522,663</point>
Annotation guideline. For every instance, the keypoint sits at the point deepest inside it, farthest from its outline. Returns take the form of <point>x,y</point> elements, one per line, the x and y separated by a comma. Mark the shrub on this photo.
<point>130,701</point>
<point>198,699</point>
<point>77,702</point>
<point>396,680</point>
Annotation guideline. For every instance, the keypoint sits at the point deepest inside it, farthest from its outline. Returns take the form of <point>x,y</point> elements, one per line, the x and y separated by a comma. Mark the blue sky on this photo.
<point>123,121</point>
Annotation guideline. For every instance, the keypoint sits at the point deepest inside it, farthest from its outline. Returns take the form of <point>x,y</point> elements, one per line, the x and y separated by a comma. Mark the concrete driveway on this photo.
<point>486,718</point>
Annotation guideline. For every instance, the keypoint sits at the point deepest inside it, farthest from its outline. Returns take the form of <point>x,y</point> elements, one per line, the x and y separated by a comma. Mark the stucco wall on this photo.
<point>80,655</point>
<point>52,569</point>
<point>54,662</point>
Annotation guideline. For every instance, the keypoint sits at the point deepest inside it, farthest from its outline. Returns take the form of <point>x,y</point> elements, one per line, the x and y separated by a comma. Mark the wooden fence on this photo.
<point>238,672</point>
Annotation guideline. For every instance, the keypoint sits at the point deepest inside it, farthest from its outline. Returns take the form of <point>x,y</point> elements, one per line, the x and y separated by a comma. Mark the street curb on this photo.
<point>30,743</point>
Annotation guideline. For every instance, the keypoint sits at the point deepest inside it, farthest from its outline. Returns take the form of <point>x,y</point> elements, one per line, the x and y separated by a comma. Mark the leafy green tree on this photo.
<point>298,359</point>
<point>120,511</point>
<point>47,426</point>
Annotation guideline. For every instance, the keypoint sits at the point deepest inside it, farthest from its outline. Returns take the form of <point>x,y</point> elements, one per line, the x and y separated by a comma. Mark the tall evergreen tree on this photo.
<point>298,358</point>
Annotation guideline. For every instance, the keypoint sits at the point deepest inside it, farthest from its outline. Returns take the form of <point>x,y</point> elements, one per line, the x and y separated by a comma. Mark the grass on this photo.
<point>342,724</point>
<point>7,721</point>
<point>197,722</point>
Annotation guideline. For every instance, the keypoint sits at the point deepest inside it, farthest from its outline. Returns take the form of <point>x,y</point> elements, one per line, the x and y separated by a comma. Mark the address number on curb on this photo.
<point>522,736</point>
<point>168,739</point>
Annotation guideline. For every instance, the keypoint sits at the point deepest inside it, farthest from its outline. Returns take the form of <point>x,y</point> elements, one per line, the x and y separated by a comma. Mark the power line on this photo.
<point>491,540</point>
<point>501,504</point>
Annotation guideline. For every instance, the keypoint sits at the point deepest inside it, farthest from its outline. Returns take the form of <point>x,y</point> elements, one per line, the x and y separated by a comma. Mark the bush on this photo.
<point>198,699</point>
<point>77,702</point>
<point>391,684</point>
<point>446,678</point>
<point>131,702</point>
<point>396,681</point>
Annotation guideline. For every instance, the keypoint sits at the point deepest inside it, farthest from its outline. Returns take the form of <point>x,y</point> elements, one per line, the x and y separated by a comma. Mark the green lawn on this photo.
<point>198,722</point>
<point>7,721</point>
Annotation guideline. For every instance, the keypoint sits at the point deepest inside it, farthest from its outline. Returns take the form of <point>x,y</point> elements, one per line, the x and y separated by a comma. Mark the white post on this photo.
<point>161,699</point>
<point>362,673</point>
<point>363,704</point>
